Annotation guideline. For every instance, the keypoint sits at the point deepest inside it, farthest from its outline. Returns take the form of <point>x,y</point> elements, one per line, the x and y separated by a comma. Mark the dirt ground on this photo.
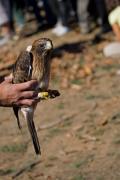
<point>79,131</point>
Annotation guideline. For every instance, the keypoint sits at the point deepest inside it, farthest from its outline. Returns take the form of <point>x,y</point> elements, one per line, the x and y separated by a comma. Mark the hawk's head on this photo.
<point>41,51</point>
<point>42,46</point>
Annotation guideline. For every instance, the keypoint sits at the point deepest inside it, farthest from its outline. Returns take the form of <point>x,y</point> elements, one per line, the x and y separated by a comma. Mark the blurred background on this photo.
<point>79,131</point>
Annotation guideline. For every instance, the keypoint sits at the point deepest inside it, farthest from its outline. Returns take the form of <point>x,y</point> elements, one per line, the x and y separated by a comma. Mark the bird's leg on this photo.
<point>28,115</point>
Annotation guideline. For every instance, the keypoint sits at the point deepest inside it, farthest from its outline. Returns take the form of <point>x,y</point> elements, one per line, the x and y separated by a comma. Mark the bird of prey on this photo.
<point>33,63</point>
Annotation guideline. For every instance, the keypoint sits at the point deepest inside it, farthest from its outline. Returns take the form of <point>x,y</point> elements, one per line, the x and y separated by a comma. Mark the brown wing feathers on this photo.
<point>22,72</point>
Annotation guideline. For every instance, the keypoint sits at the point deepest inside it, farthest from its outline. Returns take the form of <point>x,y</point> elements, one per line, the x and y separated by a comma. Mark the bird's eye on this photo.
<point>42,45</point>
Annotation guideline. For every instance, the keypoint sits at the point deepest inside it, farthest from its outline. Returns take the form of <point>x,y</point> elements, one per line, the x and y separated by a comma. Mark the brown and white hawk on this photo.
<point>34,63</point>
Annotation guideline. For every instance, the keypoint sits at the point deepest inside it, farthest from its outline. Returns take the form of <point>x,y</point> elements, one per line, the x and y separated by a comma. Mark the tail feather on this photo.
<point>34,136</point>
<point>16,110</point>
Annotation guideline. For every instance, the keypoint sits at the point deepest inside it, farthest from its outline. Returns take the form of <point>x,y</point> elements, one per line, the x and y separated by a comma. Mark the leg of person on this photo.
<point>8,10</point>
<point>6,21</point>
<point>69,10</point>
<point>51,19</point>
<point>59,9</point>
<point>19,15</point>
<point>102,11</point>
<point>36,10</point>
<point>3,16</point>
<point>82,10</point>
<point>55,8</point>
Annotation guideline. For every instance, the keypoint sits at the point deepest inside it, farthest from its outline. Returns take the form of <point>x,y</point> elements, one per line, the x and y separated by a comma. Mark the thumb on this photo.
<point>9,78</point>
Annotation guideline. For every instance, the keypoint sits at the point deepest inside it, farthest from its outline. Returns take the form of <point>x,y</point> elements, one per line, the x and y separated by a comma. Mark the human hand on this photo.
<point>17,94</point>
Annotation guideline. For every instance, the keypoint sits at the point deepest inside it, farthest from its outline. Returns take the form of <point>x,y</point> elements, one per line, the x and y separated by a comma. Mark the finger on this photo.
<point>29,85</point>
<point>28,94</point>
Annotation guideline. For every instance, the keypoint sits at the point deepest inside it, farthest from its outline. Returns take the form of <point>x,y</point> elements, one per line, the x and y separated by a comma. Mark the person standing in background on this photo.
<point>62,10</point>
<point>6,21</point>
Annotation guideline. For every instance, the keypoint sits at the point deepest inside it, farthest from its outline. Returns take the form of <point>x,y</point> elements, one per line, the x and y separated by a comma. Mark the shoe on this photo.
<point>4,40</point>
<point>106,28</point>
<point>84,28</point>
<point>57,26</point>
<point>60,30</point>
<point>97,39</point>
<point>7,38</point>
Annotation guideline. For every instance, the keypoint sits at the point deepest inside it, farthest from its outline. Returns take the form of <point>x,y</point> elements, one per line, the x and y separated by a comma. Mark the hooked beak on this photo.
<point>48,45</point>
